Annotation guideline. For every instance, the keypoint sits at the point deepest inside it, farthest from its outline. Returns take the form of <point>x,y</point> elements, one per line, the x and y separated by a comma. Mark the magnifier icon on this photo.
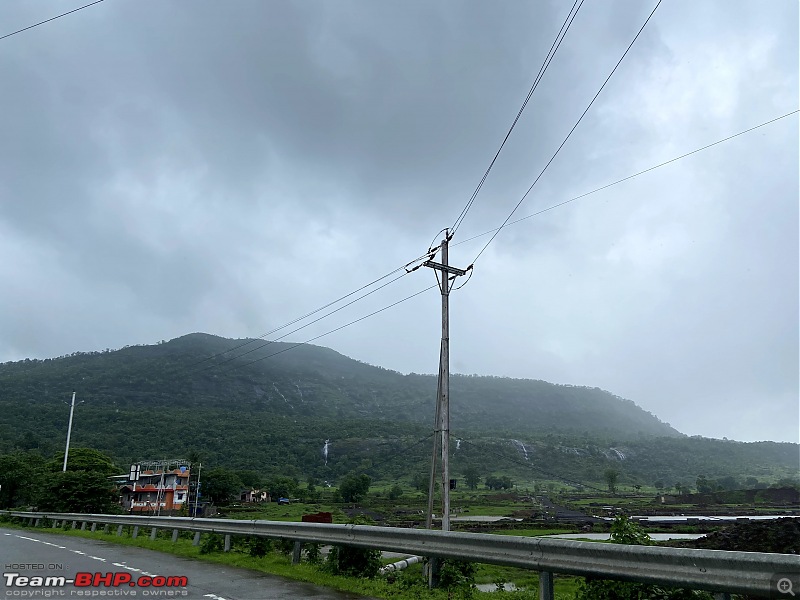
<point>785,586</point>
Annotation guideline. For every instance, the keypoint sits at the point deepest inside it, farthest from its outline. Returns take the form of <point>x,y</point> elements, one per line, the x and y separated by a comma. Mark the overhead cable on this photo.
<point>574,127</point>
<point>237,366</point>
<point>608,185</point>
<point>321,308</point>
<point>50,19</point>
<point>548,59</point>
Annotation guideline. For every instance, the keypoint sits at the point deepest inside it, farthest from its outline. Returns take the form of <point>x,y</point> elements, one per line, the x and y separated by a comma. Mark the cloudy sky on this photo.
<point>170,166</point>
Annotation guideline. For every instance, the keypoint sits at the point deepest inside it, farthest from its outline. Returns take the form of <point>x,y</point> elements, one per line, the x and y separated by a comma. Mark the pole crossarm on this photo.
<point>454,270</point>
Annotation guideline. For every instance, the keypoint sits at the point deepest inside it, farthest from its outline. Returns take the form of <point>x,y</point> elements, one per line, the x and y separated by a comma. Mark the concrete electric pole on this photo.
<point>442,427</point>
<point>69,431</point>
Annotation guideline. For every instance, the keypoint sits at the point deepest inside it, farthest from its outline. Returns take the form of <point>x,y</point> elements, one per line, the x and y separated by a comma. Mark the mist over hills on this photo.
<point>272,409</point>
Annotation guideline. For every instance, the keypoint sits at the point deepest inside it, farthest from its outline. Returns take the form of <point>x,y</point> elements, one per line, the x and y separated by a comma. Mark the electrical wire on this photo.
<point>399,453</point>
<point>574,127</point>
<point>542,69</point>
<point>50,19</point>
<point>238,366</point>
<point>303,326</point>
<point>608,185</point>
<point>321,308</point>
<point>535,468</point>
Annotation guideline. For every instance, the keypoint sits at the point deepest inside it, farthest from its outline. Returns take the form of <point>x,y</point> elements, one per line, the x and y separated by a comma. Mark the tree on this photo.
<point>249,479</point>
<point>395,493</point>
<point>79,492</point>
<point>20,476</point>
<point>354,487</point>
<point>282,487</point>
<point>420,482</point>
<point>84,459</point>
<point>472,477</point>
<point>703,485</point>
<point>220,485</point>
<point>611,476</point>
<point>499,483</point>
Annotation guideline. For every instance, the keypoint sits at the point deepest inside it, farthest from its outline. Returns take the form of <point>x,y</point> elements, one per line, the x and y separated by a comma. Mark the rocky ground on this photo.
<point>778,535</point>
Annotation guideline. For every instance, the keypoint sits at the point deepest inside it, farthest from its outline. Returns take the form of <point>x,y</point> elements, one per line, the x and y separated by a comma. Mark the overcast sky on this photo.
<point>169,167</point>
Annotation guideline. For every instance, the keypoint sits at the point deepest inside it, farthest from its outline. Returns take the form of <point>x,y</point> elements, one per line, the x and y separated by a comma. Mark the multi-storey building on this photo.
<point>157,487</point>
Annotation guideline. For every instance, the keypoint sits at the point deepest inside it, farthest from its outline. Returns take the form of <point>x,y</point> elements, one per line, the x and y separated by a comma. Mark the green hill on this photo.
<point>274,415</point>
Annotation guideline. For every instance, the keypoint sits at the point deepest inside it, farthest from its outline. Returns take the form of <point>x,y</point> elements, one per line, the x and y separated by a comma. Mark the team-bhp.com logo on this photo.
<point>155,585</point>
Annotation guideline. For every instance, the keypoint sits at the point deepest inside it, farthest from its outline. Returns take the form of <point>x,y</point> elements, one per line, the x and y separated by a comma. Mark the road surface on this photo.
<point>29,557</point>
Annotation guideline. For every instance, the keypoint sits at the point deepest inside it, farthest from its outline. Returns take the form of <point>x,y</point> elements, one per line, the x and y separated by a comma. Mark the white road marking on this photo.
<point>123,565</point>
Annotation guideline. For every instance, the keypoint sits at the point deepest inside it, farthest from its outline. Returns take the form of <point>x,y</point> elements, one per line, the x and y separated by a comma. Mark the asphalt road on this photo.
<point>29,554</point>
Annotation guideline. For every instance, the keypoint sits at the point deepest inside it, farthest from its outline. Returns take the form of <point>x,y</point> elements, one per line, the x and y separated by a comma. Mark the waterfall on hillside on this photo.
<point>458,445</point>
<point>522,447</point>
<point>325,451</point>
<point>619,454</point>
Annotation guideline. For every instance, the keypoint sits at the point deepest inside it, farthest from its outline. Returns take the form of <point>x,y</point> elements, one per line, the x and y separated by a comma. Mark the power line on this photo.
<point>51,19</point>
<point>400,452</point>
<point>548,59</point>
<point>535,468</point>
<point>552,158</point>
<point>325,316</point>
<point>608,185</point>
<point>333,330</point>
<point>321,308</point>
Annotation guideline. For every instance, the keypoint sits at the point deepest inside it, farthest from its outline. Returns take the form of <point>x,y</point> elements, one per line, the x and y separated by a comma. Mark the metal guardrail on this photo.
<point>711,570</point>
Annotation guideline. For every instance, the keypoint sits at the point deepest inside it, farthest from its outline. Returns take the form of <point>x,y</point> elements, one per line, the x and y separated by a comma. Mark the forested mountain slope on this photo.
<point>193,393</point>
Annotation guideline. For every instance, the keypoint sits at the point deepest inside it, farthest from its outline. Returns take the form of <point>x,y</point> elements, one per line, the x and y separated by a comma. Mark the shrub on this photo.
<point>212,542</point>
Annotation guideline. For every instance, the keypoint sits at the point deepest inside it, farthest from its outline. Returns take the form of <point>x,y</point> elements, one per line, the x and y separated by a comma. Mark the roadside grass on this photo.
<point>406,584</point>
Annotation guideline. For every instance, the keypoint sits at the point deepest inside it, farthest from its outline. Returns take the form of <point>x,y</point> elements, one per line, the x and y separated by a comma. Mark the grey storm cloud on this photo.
<point>168,167</point>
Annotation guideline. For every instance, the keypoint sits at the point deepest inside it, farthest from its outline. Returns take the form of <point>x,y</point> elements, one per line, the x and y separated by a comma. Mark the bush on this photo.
<point>353,562</point>
<point>258,546</point>
<point>455,574</point>
<point>625,531</point>
<point>285,546</point>
<point>212,542</point>
<point>313,553</point>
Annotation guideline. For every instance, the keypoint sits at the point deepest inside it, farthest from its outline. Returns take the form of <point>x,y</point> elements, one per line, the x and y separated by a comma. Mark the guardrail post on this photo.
<point>196,540</point>
<point>227,542</point>
<point>153,533</point>
<point>55,524</point>
<point>119,530</point>
<point>545,585</point>
<point>36,523</point>
<point>298,548</point>
<point>94,527</point>
<point>30,521</point>
<point>83,526</point>
<point>107,529</point>
<point>74,524</point>
<point>135,531</point>
<point>174,535</point>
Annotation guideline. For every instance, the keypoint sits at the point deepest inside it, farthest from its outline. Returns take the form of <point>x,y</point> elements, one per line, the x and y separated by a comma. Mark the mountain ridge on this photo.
<point>198,392</point>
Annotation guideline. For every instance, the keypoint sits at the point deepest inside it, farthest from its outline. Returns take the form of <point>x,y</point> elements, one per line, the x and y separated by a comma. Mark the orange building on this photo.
<point>156,487</point>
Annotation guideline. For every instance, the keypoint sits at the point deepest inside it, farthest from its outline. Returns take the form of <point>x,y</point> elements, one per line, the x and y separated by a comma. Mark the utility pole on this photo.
<point>443,397</point>
<point>69,431</point>
<point>197,489</point>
